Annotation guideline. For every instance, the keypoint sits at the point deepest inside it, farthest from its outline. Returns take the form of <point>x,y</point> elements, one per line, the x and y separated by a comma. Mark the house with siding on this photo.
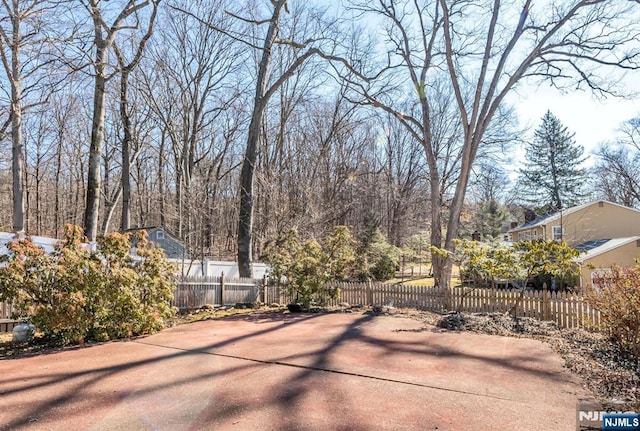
<point>172,246</point>
<point>605,232</point>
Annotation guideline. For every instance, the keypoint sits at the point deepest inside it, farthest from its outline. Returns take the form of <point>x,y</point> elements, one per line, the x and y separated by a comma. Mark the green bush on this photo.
<point>306,268</point>
<point>616,293</point>
<point>380,260</point>
<point>539,258</point>
<point>76,295</point>
<point>482,263</point>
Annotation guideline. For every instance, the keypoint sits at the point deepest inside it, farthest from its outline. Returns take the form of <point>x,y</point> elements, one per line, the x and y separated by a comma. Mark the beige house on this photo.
<point>607,234</point>
<point>601,255</point>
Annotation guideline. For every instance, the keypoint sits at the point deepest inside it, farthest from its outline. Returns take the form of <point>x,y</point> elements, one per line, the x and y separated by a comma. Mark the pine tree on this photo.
<point>553,178</point>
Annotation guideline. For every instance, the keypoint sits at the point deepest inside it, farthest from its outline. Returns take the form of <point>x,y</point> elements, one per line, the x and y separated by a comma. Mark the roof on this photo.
<point>598,247</point>
<point>540,221</point>
<point>148,228</point>
<point>590,245</point>
<point>46,243</point>
<point>546,219</point>
<point>173,247</point>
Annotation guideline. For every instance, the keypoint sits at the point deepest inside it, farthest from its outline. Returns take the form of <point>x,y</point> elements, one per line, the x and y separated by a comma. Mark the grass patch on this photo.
<point>424,281</point>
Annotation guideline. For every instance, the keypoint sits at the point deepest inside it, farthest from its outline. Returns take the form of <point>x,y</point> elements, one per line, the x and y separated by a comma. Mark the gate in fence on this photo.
<point>194,292</point>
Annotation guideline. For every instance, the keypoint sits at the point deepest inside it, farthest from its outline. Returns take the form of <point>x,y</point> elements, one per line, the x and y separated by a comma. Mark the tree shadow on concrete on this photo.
<point>305,370</point>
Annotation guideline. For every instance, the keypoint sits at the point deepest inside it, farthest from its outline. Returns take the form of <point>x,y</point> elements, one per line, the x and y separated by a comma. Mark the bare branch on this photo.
<point>216,28</point>
<point>247,20</point>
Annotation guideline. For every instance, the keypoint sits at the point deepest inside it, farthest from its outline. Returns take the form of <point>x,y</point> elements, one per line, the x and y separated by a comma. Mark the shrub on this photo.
<point>380,259</point>
<point>306,268</point>
<point>538,258</point>
<point>340,253</point>
<point>616,294</point>
<point>480,263</point>
<point>383,259</point>
<point>75,295</point>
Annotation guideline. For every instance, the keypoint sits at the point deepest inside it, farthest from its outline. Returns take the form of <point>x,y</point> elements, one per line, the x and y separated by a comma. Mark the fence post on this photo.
<point>369,293</point>
<point>447,297</point>
<point>493,307</point>
<point>264,289</point>
<point>546,303</point>
<point>222,288</point>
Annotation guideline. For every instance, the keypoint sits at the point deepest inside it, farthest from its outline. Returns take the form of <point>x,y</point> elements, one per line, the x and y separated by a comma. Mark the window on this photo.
<point>525,236</point>
<point>160,235</point>
<point>599,275</point>
<point>557,232</point>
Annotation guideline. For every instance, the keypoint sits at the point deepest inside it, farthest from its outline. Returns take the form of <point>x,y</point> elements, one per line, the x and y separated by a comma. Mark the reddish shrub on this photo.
<point>616,293</point>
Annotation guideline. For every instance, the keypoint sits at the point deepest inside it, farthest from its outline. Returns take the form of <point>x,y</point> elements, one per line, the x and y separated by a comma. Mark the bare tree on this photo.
<point>65,110</point>
<point>267,84</point>
<point>263,92</point>
<point>192,84</point>
<point>103,39</point>
<point>127,133</point>
<point>617,170</point>
<point>485,53</point>
<point>561,44</point>
<point>22,40</point>
<point>402,162</point>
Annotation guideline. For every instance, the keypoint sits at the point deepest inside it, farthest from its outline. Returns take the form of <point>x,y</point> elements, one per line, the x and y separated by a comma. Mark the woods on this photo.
<point>229,123</point>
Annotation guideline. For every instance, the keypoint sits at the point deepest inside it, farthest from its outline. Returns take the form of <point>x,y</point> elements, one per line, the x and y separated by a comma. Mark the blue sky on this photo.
<point>593,121</point>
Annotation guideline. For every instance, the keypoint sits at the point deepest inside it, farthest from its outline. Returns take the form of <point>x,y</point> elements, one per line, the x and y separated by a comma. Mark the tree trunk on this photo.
<point>109,210</point>
<point>437,260</point>
<point>161,185</point>
<point>57,207</point>
<point>17,164</point>
<point>94,177</point>
<point>245,217</point>
<point>125,220</point>
<point>472,141</point>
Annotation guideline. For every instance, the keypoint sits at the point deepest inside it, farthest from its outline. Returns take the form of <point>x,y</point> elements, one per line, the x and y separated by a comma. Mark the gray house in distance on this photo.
<point>172,246</point>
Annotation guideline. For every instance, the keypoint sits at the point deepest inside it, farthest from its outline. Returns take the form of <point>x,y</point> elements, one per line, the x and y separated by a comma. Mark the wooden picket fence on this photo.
<point>6,322</point>
<point>194,292</point>
<point>567,309</point>
<point>5,310</point>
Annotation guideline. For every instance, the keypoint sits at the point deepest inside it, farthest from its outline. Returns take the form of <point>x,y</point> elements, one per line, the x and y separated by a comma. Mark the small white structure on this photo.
<point>45,243</point>
<point>214,268</point>
<point>186,267</point>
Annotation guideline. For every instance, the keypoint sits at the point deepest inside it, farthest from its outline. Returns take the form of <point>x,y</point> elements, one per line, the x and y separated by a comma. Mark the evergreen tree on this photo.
<point>487,212</point>
<point>490,217</point>
<point>553,178</point>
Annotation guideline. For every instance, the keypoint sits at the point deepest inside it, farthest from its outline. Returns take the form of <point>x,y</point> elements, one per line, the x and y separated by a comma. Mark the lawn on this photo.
<point>424,280</point>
